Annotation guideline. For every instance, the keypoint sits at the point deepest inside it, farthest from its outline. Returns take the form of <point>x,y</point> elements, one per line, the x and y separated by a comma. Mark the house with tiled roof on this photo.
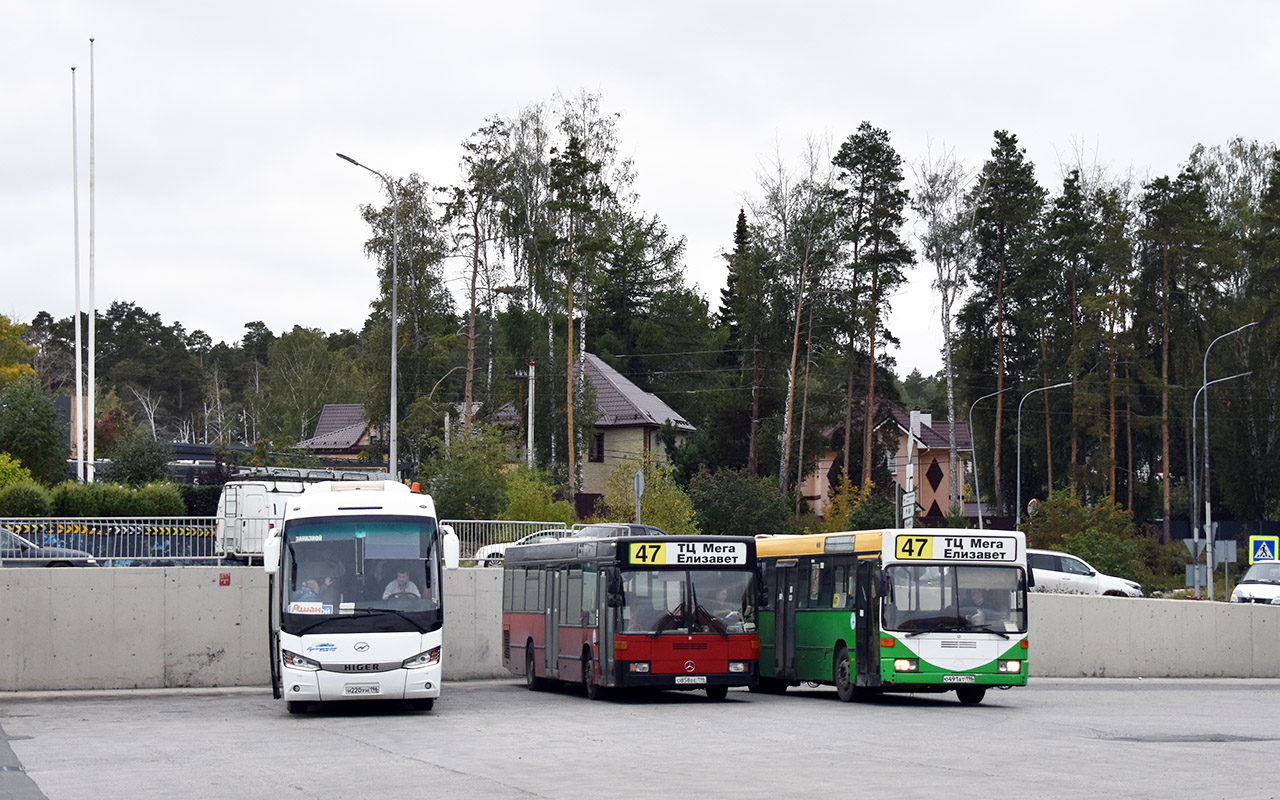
<point>626,430</point>
<point>342,432</point>
<point>922,449</point>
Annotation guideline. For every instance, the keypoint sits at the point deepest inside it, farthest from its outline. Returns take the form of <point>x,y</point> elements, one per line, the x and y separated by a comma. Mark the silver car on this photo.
<point>16,551</point>
<point>491,555</point>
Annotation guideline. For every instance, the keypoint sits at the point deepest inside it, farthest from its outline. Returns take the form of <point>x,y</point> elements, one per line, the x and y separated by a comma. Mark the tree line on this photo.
<point>1110,285</point>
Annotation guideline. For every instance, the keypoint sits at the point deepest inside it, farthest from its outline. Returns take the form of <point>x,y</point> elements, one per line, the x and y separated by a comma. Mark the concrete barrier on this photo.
<point>157,627</point>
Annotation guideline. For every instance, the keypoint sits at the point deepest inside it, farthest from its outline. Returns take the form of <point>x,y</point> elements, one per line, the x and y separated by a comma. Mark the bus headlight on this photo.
<point>638,666</point>
<point>296,661</point>
<point>1012,666</point>
<point>737,666</point>
<point>906,665</point>
<point>426,659</point>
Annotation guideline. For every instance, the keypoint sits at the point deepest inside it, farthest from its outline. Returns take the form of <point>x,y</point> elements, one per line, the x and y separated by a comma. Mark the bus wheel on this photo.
<point>594,692</point>
<point>717,692</point>
<point>531,679</point>
<point>971,695</point>
<point>424,704</point>
<point>296,706</point>
<point>845,689</point>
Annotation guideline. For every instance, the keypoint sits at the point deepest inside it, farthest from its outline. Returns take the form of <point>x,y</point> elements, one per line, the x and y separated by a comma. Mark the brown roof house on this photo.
<point>922,449</point>
<point>626,429</point>
<point>342,432</point>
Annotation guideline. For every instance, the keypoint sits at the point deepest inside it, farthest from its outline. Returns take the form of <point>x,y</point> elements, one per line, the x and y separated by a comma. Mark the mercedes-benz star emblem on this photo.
<point>689,666</point>
<point>361,646</point>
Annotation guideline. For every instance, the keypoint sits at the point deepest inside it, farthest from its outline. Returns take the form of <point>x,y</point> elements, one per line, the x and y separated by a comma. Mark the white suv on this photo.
<point>1065,573</point>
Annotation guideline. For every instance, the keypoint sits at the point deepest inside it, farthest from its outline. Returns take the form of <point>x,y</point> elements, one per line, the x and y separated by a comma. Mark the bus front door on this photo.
<point>784,620</point>
<point>866,636</point>
<point>551,599</point>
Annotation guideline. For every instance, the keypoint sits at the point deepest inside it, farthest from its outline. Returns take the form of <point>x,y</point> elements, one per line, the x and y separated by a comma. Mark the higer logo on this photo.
<point>359,667</point>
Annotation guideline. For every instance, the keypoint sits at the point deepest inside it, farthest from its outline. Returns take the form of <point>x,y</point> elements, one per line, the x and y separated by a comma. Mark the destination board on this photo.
<point>956,547</point>
<point>670,554</point>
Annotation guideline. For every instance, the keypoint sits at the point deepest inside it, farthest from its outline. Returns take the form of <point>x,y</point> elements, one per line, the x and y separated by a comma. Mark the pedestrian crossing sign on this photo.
<point>1263,548</point>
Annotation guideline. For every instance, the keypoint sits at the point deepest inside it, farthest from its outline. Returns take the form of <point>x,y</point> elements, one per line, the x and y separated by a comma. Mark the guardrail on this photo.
<point>124,541</point>
<point>159,541</point>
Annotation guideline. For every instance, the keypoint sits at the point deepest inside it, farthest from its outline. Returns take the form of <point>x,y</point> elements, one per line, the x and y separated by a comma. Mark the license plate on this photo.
<point>361,688</point>
<point>686,679</point>
<point>957,679</point>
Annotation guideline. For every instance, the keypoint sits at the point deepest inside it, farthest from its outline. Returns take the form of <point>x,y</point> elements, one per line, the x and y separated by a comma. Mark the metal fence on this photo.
<point>137,541</point>
<point>124,541</point>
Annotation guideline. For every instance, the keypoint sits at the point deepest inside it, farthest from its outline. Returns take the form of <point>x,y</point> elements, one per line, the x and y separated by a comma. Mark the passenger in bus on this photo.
<point>309,593</point>
<point>401,586</point>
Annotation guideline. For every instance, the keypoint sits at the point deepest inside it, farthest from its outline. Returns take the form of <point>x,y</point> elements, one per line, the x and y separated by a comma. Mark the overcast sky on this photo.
<point>220,201</point>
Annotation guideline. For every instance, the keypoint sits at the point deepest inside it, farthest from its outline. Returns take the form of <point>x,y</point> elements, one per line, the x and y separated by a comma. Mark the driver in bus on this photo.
<point>401,586</point>
<point>721,606</point>
<point>973,606</point>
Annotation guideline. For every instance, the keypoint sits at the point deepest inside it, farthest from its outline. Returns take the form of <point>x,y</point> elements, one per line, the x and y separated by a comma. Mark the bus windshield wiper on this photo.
<point>403,615</point>
<point>987,629</point>
<point>942,627</point>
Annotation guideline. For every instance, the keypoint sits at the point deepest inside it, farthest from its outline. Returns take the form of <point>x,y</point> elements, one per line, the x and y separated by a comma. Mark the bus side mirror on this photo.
<point>884,587</point>
<point>271,555</point>
<point>613,586</point>
<point>1031,577</point>
<point>452,547</point>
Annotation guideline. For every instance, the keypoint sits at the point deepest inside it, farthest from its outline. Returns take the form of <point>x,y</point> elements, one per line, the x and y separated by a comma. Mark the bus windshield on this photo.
<point>930,598</point>
<point>694,601</point>
<point>367,573</point>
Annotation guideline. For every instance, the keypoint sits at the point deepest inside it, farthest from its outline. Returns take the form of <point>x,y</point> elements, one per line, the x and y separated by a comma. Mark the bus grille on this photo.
<point>688,645</point>
<point>506,645</point>
<point>969,645</point>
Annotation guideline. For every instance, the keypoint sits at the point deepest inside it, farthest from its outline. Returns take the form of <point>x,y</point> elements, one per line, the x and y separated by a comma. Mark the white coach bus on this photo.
<point>357,607</point>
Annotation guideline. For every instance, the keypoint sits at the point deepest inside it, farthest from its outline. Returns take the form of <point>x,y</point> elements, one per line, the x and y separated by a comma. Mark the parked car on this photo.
<point>16,551</point>
<point>1260,584</point>
<point>491,555</point>
<point>609,530</point>
<point>1065,573</point>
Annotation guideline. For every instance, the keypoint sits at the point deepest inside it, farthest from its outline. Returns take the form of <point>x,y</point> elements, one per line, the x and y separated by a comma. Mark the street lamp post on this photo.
<point>1195,529</point>
<point>1017,509</point>
<point>392,463</point>
<point>977,493</point>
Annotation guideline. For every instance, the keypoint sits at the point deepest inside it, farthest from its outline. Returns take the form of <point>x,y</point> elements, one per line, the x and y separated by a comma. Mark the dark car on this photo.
<point>16,551</point>
<point>609,530</point>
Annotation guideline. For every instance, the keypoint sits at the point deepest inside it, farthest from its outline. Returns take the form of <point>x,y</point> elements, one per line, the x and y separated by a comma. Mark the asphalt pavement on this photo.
<point>1057,738</point>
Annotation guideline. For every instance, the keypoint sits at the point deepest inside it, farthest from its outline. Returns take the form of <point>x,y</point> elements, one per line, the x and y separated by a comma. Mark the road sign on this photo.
<point>908,509</point>
<point>639,491</point>
<point>1263,548</point>
<point>1200,577</point>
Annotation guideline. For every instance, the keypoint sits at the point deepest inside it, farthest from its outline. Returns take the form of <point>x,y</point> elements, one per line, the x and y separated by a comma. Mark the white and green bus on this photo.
<point>913,610</point>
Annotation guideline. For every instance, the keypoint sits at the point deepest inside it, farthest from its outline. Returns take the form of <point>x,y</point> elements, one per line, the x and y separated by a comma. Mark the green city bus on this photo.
<point>909,610</point>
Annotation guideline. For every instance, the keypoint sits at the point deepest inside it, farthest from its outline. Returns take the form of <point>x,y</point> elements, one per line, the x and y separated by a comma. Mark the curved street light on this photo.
<point>1017,509</point>
<point>392,464</point>
<point>1208,506</point>
<point>1195,529</point>
<point>977,493</point>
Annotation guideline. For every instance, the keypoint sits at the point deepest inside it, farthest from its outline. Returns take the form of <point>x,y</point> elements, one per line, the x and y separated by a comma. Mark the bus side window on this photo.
<point>532,590</point>
<point>590,579</point>
<point>843,579</point>
<point>770,584</point>
<point>507,574</point>
<point>572,613</point>
<point>517,589</point>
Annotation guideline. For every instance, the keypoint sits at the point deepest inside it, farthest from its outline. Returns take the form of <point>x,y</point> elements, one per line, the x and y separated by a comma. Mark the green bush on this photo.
<point>200,501</point>
<point>162,499</point>
<point>115,500</point>
<point>71,499</point>
<point>24,499</point>
<point>530,496</point>
<point>12,471</point>
<point>731,502</point>
<point>1063,514</point>
<point>1114,554</point>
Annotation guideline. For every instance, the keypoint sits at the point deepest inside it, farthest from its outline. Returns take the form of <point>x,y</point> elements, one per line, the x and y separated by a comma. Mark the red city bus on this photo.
<point>658,612</point>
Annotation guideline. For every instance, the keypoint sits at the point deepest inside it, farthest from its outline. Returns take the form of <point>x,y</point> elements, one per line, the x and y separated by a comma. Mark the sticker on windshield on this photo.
<point>310,608</point>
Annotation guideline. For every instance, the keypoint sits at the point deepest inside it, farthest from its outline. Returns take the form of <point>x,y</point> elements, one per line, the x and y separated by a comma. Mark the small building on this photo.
<point>343,432</point>
<point>922,449</point>
<point>626,429</point>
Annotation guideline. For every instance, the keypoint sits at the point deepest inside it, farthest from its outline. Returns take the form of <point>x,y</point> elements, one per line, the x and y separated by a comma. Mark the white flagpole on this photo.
<point>77,414</point>
<point>93,309</point>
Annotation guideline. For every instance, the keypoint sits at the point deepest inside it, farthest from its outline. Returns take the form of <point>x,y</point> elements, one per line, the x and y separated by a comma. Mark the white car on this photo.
<point>1068,574</point>
<point>1261,584</point>
<point>491,554</point>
